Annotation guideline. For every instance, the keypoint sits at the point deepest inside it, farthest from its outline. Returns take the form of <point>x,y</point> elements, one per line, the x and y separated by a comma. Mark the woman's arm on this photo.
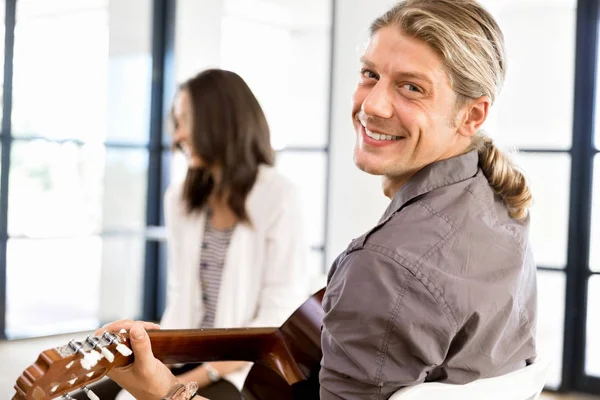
<point>200,375</point>
<point>284,284</point>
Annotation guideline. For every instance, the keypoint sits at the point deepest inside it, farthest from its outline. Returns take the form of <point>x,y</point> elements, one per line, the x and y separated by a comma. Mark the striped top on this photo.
<point>212,258</point>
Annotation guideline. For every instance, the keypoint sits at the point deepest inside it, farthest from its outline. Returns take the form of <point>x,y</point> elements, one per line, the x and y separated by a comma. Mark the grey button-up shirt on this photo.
<point>442,289</point>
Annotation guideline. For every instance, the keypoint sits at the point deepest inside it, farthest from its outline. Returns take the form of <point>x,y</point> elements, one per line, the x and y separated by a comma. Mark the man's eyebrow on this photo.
<point>402,74</point>
<point>414,75</point>
<point>368,63</point>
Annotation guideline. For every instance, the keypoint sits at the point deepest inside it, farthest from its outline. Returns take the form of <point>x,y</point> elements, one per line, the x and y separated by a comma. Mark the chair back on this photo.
<point>524,384</point>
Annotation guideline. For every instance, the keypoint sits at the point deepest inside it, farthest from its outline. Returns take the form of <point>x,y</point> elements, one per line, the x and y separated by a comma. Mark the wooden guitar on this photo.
<point>286,359</point>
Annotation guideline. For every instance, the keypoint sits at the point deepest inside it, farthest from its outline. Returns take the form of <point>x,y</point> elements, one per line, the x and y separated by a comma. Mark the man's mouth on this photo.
<point>380,136</point>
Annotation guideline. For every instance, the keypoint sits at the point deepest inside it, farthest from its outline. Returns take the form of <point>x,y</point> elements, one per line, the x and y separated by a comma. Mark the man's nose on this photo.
<point>379,102</point>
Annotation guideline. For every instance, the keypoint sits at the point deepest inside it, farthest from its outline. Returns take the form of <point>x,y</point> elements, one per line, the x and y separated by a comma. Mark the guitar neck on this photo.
<point>198,345</point>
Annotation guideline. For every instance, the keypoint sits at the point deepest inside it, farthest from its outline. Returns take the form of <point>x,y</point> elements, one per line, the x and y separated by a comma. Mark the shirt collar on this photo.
<point>434,176</point>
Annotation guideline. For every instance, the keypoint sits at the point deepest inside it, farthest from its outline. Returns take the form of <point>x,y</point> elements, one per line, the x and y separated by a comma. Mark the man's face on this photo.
<point>404,109</point>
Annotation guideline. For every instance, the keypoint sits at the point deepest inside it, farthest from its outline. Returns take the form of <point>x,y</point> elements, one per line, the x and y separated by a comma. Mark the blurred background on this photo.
<point>85,156</point>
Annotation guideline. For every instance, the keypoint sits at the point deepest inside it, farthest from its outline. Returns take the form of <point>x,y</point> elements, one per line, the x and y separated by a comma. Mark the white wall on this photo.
<point>356,201</point>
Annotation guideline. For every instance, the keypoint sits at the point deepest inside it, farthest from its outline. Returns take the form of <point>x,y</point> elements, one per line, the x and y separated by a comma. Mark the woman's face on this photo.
<point>182,115</point>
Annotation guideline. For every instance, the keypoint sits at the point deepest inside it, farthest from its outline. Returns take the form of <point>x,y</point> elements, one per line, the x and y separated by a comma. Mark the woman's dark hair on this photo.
<point>228,129</point>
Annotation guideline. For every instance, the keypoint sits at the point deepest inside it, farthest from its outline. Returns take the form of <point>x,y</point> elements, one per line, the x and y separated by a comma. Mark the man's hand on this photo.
<point>147,378</point>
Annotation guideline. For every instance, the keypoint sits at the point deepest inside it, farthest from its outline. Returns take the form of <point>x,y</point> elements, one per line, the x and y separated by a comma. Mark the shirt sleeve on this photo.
<point>385,327</point>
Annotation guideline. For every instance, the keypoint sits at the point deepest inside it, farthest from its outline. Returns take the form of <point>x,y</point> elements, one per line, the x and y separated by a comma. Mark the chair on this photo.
<point>524,384</point>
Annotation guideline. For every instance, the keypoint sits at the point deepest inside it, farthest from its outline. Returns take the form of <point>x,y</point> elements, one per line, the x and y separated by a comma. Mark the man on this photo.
<point>443,288</point>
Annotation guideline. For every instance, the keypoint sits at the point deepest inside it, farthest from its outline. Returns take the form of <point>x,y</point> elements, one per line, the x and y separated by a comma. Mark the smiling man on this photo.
<point>443,288</point>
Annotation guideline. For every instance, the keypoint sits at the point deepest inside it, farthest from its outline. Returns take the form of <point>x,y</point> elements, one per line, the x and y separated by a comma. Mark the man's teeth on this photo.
<point>378,136</point>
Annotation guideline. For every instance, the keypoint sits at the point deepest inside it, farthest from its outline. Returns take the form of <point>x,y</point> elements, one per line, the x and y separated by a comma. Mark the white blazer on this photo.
<point>264,277</point>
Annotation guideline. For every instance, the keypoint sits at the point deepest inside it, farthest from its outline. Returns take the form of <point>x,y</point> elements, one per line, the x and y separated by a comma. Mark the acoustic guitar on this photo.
<point>286,359</point>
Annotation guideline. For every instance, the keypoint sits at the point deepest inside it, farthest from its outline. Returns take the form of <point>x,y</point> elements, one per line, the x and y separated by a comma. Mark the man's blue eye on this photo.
<point>412,88</point>
<point>368,74</point>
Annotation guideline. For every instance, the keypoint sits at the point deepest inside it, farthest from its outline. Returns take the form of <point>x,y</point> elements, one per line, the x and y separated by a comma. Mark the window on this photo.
<point>78,169</point>
<point>536,118</point>
<point>546,112</point>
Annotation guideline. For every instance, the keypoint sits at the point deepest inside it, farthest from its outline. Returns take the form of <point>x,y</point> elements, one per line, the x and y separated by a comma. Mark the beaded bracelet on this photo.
<point>182,392</point>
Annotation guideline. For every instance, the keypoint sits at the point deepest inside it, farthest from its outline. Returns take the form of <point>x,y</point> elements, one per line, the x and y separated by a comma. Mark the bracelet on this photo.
<point>194,394</point>
<point>182,392</point>
<point>213,374</point>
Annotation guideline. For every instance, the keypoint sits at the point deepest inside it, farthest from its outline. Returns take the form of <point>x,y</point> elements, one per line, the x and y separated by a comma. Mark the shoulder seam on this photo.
<point>452,231</point>
<point>414,271</point>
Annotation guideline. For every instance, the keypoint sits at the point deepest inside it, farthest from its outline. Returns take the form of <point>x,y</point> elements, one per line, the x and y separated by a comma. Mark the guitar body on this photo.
<point>264,384</point>
<point>301,335</point>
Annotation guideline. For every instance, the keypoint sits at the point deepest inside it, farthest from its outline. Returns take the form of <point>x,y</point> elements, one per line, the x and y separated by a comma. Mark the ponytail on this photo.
<point>504,177</point>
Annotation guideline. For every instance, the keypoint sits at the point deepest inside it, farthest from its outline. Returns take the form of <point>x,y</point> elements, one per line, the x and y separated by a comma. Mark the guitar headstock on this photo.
<point>75,365</point>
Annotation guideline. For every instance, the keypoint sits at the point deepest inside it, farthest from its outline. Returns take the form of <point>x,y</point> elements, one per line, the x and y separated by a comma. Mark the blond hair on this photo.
<point>471,46</point>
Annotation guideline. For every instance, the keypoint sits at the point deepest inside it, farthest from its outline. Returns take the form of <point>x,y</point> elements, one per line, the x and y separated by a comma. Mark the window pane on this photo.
<point>121,278</point>
<point>65,189</point>
<point>551,316</point>
<point>177,165</point>
<point>308,171</point>
<point>78,283</point>
<point>550,211</point>
<point>592,345</point>
<point>55,189</point>
<point>2,29</point>
<point>79,65</point>
<point>597,114</point>
<point>289,71</point>
<point>129,86</point>
<point>595,231</point>
<point>1,197</point>
<point>65,294</point>
<point>125,190</point>
<point>540,42</point>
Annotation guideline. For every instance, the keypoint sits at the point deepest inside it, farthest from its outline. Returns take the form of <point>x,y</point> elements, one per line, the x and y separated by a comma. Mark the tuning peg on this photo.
<point>121,348</point>
<point>66,396</point>
<point>124,350</point>
<point>95,343</point>
<point>91,395</point>
<point>87,362</point>
<point>107,354</point>
<point>96,355</point>
<point>89,359</point>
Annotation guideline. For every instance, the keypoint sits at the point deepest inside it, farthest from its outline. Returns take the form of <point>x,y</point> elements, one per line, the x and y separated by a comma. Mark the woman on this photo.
<point>236,247</point>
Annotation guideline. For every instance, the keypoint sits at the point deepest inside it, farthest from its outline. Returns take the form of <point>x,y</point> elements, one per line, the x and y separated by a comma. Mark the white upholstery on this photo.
<point>524,384</point>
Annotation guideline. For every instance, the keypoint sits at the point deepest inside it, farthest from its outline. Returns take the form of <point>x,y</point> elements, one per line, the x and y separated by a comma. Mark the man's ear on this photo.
<point>474,115</point>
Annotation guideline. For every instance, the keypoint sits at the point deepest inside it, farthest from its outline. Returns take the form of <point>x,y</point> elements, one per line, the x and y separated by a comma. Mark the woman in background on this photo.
<point>236,246</point>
